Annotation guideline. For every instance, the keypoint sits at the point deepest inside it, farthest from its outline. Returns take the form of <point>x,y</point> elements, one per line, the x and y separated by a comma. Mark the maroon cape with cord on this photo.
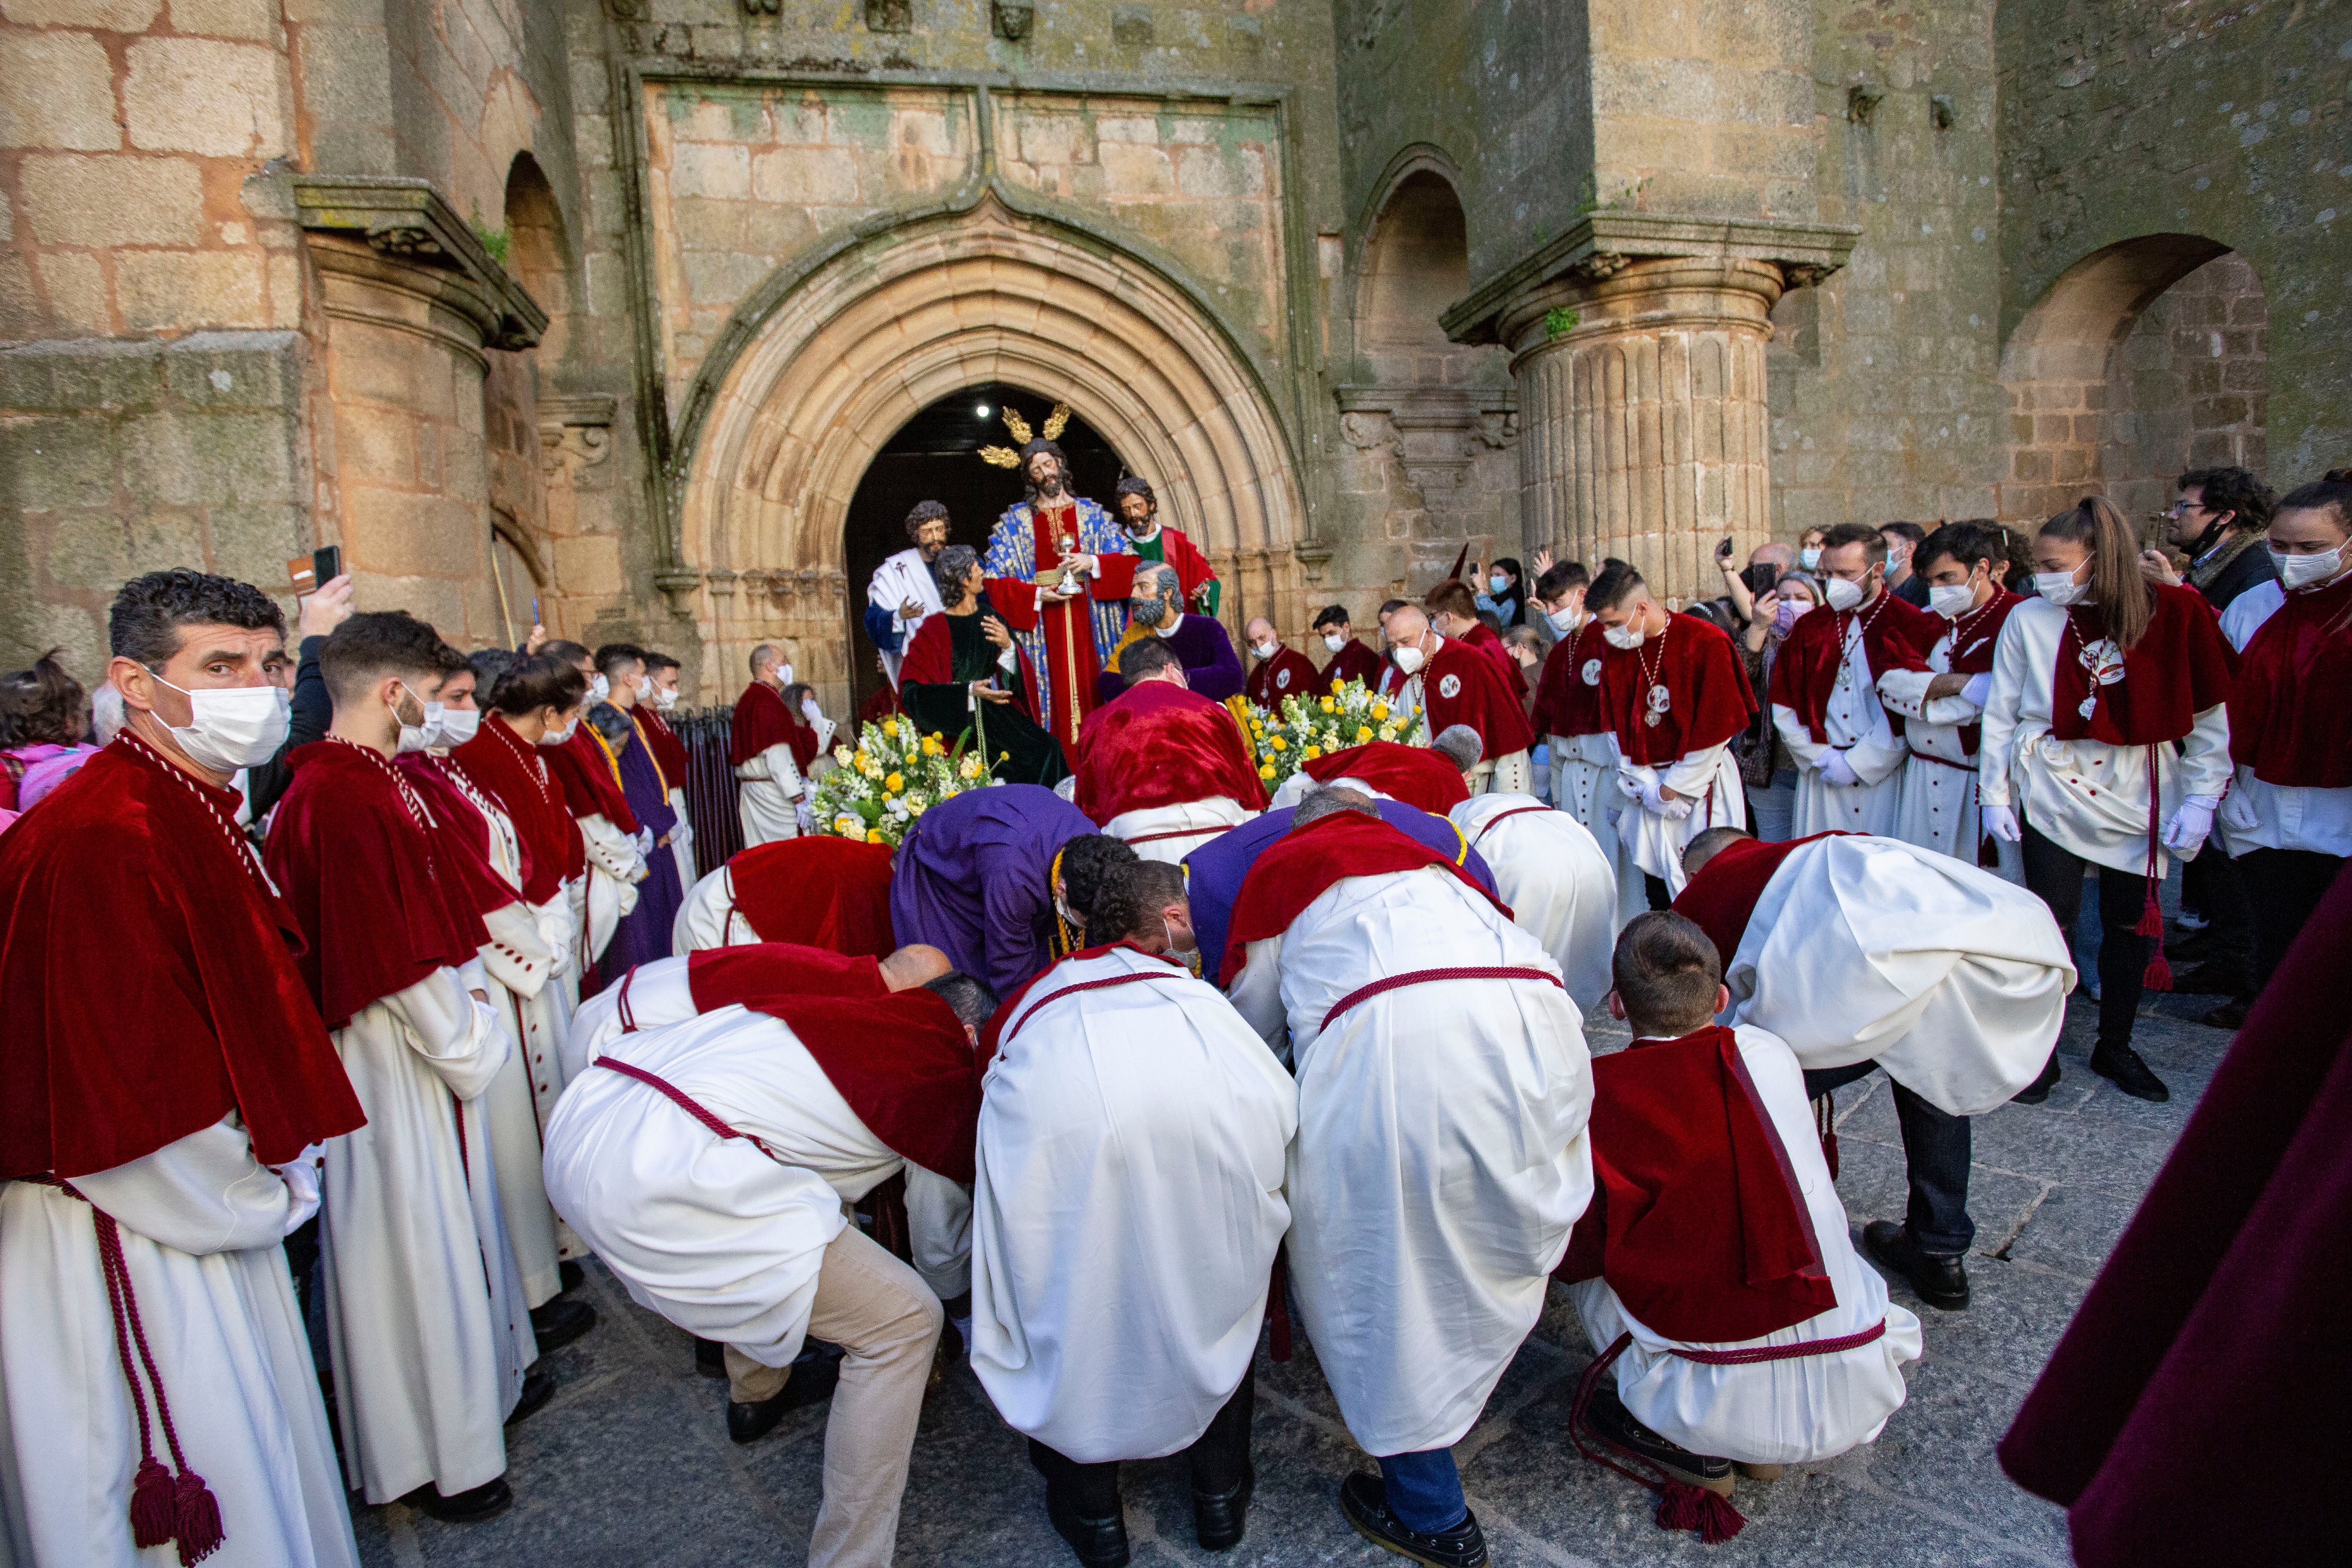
<point>764,973</point>
<point>2180,667</point>
<point>669,751</point>
<point>1413,774</point>
<point>1463,686</point>
<point>1482,638</point>
<point>1708,685</point>
<point>151,980</point>
<point>590,789</point>
<point>516,773</point>
<point>367,883</point>
<point>2291,705</point>
<point>1974,656</point>
<point>1722,898</point>
<point>905,1065</point>
<point>1354,661</point>
<point>763,720</point>
<point>1567,704</point>
<point>1296,867</point>
<point>1289,673</point>
<point>1894,636</point>
<point>817,890</point>
<point>462,834</point>
<point>1158,744</point>
<point>1696,1222</point>
<point>2195,1410</point>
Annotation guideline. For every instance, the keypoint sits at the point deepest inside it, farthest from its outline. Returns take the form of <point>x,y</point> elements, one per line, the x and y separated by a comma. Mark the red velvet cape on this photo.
<point>669,751</point>
<point>2189,1415</point>
<point>763,720</point>
<point>1722,898</point>
<point>1567,704</point>
<point>2180,667</point>
<point>150,979</point>
<point>1483,639</point>
<point>1159,744</point>
<point>1289,673</point>
<point>1894,636</point>
<point>930,661</point>
<point>1413,774</point>
<point>2291,705</point>
<point>1699,668</point>
<point>586,774</point>
<point>463,836</point>
<point>368,885</point>
<point>817,890</point>
<point>1480,696</point>
<point>763,973</point>
<point>1296,867</point>
<point>516,773</point>
<point>903,1064</point>
<point>1354,661</point>
<point>1193,570</point>
<point>1696,1222</point>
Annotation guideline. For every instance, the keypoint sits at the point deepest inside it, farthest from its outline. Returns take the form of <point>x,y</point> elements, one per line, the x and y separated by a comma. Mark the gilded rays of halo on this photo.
<point>1010,456</point>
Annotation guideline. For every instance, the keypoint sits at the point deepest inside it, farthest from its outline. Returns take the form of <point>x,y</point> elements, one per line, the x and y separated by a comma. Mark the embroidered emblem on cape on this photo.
<point>1450,687</point>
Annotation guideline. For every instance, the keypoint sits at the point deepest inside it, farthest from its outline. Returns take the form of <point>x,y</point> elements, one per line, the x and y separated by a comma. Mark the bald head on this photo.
<point>1461,745</point>
<point>1407,625</point>
<point>1259,635</point>
<point>1708,844</point>
<point>1330,800</point>
<point>913,965</point>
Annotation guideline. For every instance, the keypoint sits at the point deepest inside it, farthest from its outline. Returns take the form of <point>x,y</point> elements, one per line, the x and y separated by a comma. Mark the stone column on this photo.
<point>1638,345</point>
<point>412,300</point>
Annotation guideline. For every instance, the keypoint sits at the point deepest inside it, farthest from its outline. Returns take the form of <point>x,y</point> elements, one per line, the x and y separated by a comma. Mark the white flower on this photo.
<point>846,826</point>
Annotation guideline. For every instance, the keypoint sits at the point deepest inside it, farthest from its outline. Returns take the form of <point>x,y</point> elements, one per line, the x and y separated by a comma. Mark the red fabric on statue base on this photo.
<point>2291,705</point>
<point>1463,686</point>
<point>2193,1411</point>
<point>1722,898</point>
<point>1709,698</point>
<point>590,785</point>
<point>151,980</point>
<point>1567,704</point>
<point>1696,1223</point>
<point>2180,667</point>
<point>1354,661</point>
<point>1894,636</point>
<point>516,773</point>
<point>1413,774</point>
<point>763,719</point>
<point>366,881</point>
<point>767,973</point>
<point>1159,744</point>
<point>1288,673</point>
<point>824,891</point>
<point>1296,868</point>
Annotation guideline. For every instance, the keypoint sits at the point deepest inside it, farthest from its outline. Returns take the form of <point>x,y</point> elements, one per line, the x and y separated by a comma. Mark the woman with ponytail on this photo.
<point>2105,744</point>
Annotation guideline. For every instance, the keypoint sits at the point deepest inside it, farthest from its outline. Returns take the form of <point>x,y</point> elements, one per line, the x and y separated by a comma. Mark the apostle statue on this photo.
<point>1058,572</point>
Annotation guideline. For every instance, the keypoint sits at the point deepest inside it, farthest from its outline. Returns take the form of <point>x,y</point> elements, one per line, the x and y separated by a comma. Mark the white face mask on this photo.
<point>1497,584</point>
<point>1841,594</point>
<point>416,737</point>
<point>601,690</point>
<point>2060,588</point>
<point>1409,659</point>
<point>231,727</point>
<point>665,698</point>
<point>453,727</point>
<point>1951,600</point>
<point>2297,572</point>
<point>1627,636</point>
<point>783,676</point>
<point>1264,649</point>
<point>1565,621</point>
<point>1809,558</point>
<point>1334,641</point>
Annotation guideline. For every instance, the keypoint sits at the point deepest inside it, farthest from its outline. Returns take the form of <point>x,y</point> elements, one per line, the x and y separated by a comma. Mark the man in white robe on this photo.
<point>1557,880</point>
<point>1440,1161</point>
<point>1127,1211</point>
<point>903,593</point>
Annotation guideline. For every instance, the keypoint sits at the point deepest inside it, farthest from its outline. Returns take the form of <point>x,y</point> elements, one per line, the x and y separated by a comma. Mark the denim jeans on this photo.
<point>1424,1489</point>
<point>1935,1156</point>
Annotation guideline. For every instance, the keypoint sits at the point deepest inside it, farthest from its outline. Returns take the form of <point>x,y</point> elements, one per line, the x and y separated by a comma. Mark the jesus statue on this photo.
<point>1059,572</point>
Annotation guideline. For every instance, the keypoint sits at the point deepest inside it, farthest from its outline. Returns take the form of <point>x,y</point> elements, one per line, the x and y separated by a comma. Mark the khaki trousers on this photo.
<point>881,1313</point>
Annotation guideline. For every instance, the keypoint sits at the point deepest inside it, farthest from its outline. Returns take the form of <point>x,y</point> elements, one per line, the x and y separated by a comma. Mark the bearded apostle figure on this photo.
<point>1162,767</point>
<point>1059,571</point>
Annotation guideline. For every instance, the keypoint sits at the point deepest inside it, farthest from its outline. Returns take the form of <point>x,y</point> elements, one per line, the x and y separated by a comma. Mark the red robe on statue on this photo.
<point>1072,660</point>
<point>1287,674</point>
<point>1463,686</point>
<point>1160,744</point>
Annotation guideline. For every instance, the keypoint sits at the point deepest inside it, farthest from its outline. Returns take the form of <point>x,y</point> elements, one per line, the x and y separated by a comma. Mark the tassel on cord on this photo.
<point>1682,1506</point>
<point>2157,977</point>
<point>1825,1123</point>
<point>153,1515</point>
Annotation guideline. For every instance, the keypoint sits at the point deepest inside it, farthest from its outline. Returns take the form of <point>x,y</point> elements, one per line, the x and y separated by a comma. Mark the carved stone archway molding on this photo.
<point>873,337</point>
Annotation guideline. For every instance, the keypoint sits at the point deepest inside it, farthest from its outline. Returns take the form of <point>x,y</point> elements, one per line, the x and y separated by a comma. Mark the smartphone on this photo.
<point>1723,551</point>
<point>326,565</point>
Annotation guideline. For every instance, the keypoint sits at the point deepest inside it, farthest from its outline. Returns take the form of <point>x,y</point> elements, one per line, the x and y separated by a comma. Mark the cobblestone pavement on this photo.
<point>630,1466</point>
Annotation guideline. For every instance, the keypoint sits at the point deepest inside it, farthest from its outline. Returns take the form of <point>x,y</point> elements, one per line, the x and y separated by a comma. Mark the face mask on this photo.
<point>454,727</point>
<point>1809,558</point>
<point>231,727</point>
<point>1262,650</point>
<point>2297,572</point>
<point>558,737</point>
<point>1785,613</point>
<point>783,676</point>
<point>665,698</point>
<point>1334,641</point>
<point>1951,600</point>
<point>602,689</point>
<point>416,737</point>
<point>1564,622</point>
<point>1147,612</point>
<point>1189,957</point>
<point>1497,584</point>
<point>2060,588</point>
<point>1628,636</point>
<point>1409,659</point>
<point>1840,594</point>
<point>1895,560</point>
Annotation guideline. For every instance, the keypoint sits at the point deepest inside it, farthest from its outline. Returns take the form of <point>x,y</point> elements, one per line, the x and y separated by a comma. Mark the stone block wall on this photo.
<point>2191,387</point>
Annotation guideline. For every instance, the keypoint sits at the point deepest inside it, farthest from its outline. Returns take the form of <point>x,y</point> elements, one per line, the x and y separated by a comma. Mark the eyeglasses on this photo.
<point>2183,507</point>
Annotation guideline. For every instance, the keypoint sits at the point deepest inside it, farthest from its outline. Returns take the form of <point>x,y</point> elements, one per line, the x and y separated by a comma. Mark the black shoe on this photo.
<point>1938,1281</point>
<point>1365,1501</point>
<point>471,1505</point>
<point>709,1358</point>
<point>559,1322</point>
<point>1218,1518</point>
<point>2231,1014</point>
<point>1099,1543</point>
<point>2215,977</point>
<point>570,1275</point>
<point>814,1372</point>
<point>2037,1091</point>
<point>1609,1416</point>
<point>538,1388</point>
<point>2122,1066</point>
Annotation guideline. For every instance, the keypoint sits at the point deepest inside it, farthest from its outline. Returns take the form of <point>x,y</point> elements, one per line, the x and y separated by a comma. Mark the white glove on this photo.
<point>805,818</point>
<point>1977,689</point>
<point>1645,789</point>
<point>1837,773</point>
<point>810,711</point>
<point>2001,821</point>
<point>301,1177</point>
<point>2186,833</point>
<point>1614,816</point>
<point>1674,810</point>
<point>2237,813</point>
<point>644,841</point>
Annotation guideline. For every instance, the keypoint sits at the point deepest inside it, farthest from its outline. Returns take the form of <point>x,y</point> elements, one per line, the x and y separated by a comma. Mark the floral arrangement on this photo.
<point>1308,727</point>
<point>893,775</point>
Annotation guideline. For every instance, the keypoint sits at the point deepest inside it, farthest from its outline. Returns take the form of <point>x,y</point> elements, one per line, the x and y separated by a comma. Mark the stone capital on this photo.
<point>1603,245</point>
<point>403,234</point>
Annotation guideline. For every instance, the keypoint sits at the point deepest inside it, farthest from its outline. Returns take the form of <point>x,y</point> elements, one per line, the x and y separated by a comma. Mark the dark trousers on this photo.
<point>1935,1156</point>
<point>2292,882</point>
<point>1654,888</point>
<point>2217,887</point>
<point>1220,1457</point>
<point>2056,876</point>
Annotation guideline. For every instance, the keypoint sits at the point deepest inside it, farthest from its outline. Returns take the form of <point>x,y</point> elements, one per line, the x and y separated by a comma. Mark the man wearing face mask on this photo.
<point>426,1311</point>
<point>1581,743</point>
<point>1941,696</point>
<point>609,830</point>
<point>1282,670</point>
<point>1902,578</point>
<point>1455,684</point>
<point>169,1107</point>
<point>1139,513</point>
<point>628,757</point>
<point>1164,768</point>
<point>653,720</point>
<point>1454,614</point>
<point>1210,667</point>
<point>1350,659</point>
<point>770,750</point>
<point>1848,748</point>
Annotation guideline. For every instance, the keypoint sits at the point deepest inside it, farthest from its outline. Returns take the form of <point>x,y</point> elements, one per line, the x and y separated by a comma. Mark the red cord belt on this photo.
<point>1425,976</point>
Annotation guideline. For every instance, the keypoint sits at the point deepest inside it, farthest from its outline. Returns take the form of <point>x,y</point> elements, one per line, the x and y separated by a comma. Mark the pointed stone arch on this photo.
<point>876,335</point>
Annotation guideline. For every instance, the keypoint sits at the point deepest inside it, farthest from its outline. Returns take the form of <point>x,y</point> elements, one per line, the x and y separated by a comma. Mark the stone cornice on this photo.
<point>1604,242</point>
<point>408,223</point>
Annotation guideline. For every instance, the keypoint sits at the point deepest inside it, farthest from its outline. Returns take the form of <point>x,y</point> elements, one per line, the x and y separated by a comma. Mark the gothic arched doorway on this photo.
<point>934,457</point>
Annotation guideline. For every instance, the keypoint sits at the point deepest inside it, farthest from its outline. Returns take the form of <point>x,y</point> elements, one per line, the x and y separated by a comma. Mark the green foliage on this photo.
<point>1559,321</point>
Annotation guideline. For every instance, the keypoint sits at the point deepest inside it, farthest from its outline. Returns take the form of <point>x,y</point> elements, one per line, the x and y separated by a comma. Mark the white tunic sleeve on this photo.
<point>202,1194</point>
<point>2010,669</point>
<point>516,955</point>
<point>2205,764</point>
<point>1692,772</point>
<point>1256,992</point>
<point>1797,737</point>
<point>610,851</point>
<point>458,1036</point>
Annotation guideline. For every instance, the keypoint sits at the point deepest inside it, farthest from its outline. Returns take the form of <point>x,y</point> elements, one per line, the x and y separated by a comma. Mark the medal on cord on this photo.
<point>1655,697</point>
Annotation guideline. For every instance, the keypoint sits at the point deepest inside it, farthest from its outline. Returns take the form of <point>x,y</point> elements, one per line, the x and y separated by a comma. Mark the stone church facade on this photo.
<point>601,309</point>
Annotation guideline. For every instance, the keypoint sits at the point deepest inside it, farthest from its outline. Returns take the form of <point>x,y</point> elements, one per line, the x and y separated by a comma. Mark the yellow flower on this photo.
<point>1379,710</point>
<point>863,761</point>
<point>894,783</point>
<point>890,728</point>
<point>932,747</point>
<point>1363,733</point>
<point>1311,753</point>
<point>848,827</point>
<point>1388,732</point>
<point>1330,706</point>
<point>1277,744</point>
<point>873,836</point>
<point>1267,772</point>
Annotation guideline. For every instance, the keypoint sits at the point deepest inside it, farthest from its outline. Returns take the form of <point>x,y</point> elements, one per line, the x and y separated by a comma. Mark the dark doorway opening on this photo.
<point>935,455</point>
